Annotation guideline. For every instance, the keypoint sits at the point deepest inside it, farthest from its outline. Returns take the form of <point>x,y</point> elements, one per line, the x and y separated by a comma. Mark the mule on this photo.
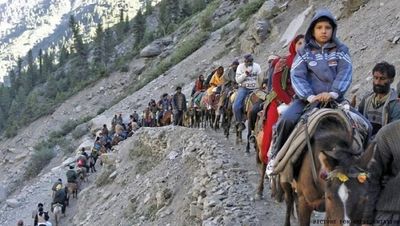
<point>72,190</point>
<point>249,101</point>
<point>82,174</point>
<point>332,144</point>
<point>57,211</point>
<point>166,119</point>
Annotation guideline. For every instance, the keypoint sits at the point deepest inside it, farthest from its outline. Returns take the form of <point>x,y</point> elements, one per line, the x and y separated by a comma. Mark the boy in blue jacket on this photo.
<point>321,72</point>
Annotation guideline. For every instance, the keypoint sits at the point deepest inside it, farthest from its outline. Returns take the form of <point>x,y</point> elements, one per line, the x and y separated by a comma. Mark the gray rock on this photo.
<point>269,10</point>
<point>396,39</point>
<point>78,108</point>
<point>3,193</point>
<point>13,203</point>
<point>195,210</point>
<point>350,6</point>
<point>152,50</point>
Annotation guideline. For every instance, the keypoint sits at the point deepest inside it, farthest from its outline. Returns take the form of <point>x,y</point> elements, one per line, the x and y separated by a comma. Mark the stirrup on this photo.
<point>270,168</point>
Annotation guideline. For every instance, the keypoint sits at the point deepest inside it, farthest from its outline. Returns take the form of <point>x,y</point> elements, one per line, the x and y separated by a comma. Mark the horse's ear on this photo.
<point>323,159</point>
<point>366,157</point>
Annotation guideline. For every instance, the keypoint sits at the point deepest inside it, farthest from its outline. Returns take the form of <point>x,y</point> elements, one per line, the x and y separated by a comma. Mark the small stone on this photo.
<point>396,39</point>
<point>195,210</point>
<point>113,175</point>
<point>172,155</point>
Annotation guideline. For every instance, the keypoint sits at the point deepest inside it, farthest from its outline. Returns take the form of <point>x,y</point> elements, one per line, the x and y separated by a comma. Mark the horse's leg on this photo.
<point>248,137</point>
<point>260,188</point>
<point>289,200</point>
<point>304,211</point>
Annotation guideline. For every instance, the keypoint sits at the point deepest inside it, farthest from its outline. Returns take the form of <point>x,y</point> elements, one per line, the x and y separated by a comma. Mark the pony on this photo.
<point>338,188</point>
<point>82,174</point>
<point>148,118</point>
<point>57,211</point>
<point>250,100</point>
<point>166,119</point>
<point>72,190</point>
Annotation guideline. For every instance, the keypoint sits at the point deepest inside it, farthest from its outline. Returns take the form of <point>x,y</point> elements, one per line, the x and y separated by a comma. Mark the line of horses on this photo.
<point>342,199</point>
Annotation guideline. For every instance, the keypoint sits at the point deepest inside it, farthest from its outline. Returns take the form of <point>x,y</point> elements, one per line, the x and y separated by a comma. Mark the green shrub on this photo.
<point>206,22</point>
<point>39,160</point>
<point>249,9</point>
<point>11,131</point>
<point>124,68</point>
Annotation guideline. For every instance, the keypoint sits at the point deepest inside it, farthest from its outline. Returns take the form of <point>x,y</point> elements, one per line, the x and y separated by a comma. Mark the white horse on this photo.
<point>57,211</point>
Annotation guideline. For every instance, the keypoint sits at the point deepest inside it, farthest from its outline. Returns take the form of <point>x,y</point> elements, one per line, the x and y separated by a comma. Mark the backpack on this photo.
<point>71,176</point>
<point>81,163</point>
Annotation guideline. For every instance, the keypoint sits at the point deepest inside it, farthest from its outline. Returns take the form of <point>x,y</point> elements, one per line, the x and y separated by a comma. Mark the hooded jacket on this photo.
<point>318,69</point>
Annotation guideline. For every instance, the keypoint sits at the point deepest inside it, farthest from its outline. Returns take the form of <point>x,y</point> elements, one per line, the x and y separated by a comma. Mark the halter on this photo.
<point>361,176</point>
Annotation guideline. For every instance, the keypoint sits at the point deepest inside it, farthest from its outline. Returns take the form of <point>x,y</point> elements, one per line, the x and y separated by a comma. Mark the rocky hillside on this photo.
<point>43,24</point>
<point>199,178</point>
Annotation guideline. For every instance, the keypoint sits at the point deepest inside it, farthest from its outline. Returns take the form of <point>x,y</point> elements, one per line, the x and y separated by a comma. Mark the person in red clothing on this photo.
<point>282,92</point>
<point>199,86</point>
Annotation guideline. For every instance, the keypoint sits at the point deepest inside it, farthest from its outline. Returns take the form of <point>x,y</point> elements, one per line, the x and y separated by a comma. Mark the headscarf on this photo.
<point>292,50</point>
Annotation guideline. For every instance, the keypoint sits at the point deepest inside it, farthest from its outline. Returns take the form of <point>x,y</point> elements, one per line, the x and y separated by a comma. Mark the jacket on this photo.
<point>248,81</point>
<point>318,69</point>
<point>384,180</point>
<point>390,112</point>
<point>179,102</point>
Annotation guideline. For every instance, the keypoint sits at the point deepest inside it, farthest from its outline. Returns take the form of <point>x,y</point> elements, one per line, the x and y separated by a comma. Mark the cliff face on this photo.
<point>43,24</point>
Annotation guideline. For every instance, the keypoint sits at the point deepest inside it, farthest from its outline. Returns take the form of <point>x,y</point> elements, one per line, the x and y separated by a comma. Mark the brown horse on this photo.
<point>208,105</point>
<point>148,118</point>
<point>166,118</point>
<point>72,189</point>
<point>250,100</point>
<point>331,144</point>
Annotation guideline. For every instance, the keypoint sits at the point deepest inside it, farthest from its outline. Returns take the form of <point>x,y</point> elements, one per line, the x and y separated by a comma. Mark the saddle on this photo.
<point>294,146</point>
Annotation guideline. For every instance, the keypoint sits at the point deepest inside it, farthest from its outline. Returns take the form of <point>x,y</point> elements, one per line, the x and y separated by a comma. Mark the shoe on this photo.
<point>270,167</point>
<point>252,138</point>
<point>241,126</point>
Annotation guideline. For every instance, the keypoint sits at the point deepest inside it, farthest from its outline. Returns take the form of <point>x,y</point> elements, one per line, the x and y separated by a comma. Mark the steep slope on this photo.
<point>44,24</point>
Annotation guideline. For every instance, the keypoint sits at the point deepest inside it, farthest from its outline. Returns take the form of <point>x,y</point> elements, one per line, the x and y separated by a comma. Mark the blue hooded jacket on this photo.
<point>319,69</point>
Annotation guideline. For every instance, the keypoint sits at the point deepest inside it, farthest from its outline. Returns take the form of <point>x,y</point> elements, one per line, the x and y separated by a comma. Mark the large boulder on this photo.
<point>269,10</point>
<point>348,7</point>
<point>152,50</point>
<point>261,30</point>
<point>98,122</point>
<point>260,26</point>
<point>13,203</point>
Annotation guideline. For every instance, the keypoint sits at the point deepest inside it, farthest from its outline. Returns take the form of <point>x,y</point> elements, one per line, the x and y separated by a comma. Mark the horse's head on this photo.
<point>346,188</point>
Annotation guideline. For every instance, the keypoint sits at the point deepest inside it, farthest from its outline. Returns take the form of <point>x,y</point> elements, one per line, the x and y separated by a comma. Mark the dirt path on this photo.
<point>269,212</point>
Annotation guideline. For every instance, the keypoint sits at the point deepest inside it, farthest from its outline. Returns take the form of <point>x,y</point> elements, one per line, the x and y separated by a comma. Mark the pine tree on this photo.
<point>186,9</point>
<point>126,24</point>
<point>148,7</point>
<point>78,41</point>
<point>41,76</point>
<point>64,54</point>
<point>98,44</point>
<point>31,73</point>
<point>198,5</point>
<point>139,27</point>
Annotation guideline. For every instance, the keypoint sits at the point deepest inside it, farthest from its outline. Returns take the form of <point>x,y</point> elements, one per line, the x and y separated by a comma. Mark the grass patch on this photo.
<point>249,9</point>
